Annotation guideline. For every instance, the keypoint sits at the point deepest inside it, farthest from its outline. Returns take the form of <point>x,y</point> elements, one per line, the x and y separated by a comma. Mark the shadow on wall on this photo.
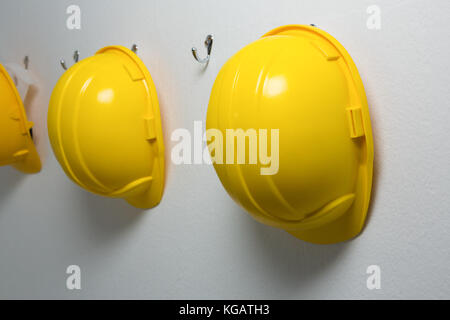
<point>10,179</point>
<point>376,164</point>
<point>30,104</point>
<point>106,218</point>
<point>291,261</point>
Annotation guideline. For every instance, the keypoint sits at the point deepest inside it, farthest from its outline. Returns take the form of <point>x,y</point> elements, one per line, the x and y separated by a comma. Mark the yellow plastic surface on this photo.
<point>105,129</point>
<point>300,80</point>
<point>16,144</point>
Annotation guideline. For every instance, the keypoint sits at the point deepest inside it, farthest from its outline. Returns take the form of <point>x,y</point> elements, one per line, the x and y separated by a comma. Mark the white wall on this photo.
<point>198,243</point>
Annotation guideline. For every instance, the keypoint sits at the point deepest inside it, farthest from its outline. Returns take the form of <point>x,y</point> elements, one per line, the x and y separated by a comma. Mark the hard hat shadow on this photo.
<point>31,103</point>
<point>166,138</point>
<point>376,170</point>
<point>10,179</point>
<point>30,97</point>
<point>107,218</point>
<point>295,262</point>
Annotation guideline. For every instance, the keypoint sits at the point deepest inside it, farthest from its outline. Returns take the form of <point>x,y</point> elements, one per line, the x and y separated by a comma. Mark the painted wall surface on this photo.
<point>198,243</point>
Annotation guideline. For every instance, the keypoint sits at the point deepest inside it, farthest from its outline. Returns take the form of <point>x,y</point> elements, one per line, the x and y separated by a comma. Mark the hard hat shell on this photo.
<point>16,143</point>
<point>105,129</point>
<point>299,80</point>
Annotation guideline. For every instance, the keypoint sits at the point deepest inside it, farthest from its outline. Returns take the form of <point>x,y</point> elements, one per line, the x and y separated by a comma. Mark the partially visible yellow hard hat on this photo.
<point>300,80</point>
<point>16,143</point>
<point>105,129</point>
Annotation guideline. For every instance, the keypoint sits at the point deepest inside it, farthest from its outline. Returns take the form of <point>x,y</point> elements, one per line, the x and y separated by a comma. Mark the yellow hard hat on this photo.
<point>16,143</point>
<point>105,129</point>
<point>299,80</point>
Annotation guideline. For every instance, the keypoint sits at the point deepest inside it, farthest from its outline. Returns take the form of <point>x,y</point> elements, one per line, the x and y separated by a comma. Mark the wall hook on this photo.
<point>76,56</point>
<point>134,48</point>
<point>26,61</point>
<point>208,44</point>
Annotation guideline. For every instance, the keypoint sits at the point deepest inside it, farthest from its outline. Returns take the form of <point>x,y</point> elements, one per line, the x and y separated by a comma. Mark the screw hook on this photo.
<point>208,45</point>
<point>76,56</point>
<point>26,61</point>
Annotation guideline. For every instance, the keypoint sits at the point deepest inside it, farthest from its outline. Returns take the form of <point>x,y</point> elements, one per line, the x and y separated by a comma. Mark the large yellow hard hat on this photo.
<point>105,128</point>
<point>301,81</point>
<point>16,143</point>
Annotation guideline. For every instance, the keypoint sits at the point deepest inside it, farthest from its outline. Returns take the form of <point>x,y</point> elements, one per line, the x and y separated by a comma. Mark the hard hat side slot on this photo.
<point>355,122</point>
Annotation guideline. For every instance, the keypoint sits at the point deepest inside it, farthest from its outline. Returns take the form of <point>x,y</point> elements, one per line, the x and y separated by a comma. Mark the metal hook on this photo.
<point>208,44</point>
<point>134,48</point>
<point>26,60</point>
<point>76,56</point>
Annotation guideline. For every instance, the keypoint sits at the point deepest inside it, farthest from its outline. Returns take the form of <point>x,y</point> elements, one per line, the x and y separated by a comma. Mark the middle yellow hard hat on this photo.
<point>105,129</point>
